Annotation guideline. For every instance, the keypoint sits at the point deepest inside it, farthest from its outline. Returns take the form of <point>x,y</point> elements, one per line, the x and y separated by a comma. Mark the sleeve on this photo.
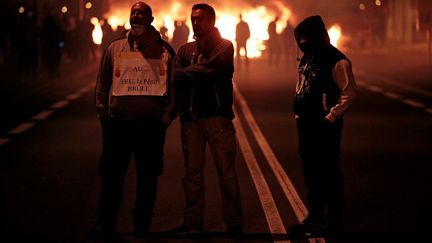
<point>103,84</point>
<point>343,75</point>
<point>220,63</point>
<point>170,109</point>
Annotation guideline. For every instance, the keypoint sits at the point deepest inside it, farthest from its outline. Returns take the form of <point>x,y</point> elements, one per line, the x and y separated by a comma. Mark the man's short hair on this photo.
<point>147,9</point>
<point>209,9</point>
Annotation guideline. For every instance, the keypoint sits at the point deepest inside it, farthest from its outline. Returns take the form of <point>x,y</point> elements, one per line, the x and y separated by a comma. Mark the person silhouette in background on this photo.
<point>273,43</point>
<point>242,36</point>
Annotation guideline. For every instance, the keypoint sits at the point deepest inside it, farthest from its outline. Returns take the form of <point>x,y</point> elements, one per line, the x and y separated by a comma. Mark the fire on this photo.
<point>335,33</point>
<point>97,31</point>
<point>258,17</point>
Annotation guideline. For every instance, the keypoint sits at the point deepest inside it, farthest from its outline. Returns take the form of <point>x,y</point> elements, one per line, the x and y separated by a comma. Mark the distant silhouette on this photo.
<point>180,34</point>
<point>52,42</point>
<point>242,36</point>
<point>108,34</point>
<point>273,43</point>
<point>288,43</point>
<point>164,32</point>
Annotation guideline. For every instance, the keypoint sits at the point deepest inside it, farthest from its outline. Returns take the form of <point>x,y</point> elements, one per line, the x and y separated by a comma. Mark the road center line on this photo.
<point>42,115</point>
<point>291,194</point>
<point>21,128</point>
<point>3,141</point>
<point>271,212</point>
<point>395,84</point>
<point>60,104</point>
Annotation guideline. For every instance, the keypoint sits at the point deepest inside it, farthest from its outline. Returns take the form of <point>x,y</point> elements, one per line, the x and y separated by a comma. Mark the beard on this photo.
<point>137,29</point>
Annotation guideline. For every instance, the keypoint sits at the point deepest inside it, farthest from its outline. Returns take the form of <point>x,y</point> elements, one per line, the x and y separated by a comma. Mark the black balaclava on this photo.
<point>313,30</point>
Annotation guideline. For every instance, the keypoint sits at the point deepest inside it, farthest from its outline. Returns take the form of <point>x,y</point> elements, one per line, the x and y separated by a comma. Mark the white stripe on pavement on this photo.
<point>60,104</point>
<point>4,141</point>
<point>397,84</point>
<point>374,88</point>
<point>288,188</point>
<point>42,115</point>
<point>73,96</point>
<point>392,95</point>
<point>413,103</point>
<point>21,128</point>
<point>271,212</point>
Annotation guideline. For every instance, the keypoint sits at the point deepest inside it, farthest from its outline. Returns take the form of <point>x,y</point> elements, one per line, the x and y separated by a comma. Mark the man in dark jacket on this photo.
<point>325,90</point>
<point>135,105</point>
<point>203,80</point>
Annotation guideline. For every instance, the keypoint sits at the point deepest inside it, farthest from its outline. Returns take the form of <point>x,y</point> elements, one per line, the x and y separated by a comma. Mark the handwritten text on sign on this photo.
<point>136,75</point>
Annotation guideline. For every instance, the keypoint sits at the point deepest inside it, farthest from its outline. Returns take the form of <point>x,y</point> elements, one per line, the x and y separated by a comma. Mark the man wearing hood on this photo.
<point>135,104</point>
<point>324,92</point>
<point>203,79</point>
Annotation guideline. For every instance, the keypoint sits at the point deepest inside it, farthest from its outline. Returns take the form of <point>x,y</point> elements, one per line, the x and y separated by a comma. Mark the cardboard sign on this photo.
<point>135,75</point>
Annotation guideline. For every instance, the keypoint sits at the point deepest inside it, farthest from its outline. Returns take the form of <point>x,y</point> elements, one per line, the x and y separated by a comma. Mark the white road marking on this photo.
<point>73,96</point>
<point>291,194</point>
<point>60,104</point>
<point>374,88</point>
<point>46,113</point>
<point>271,212</point>
<point>413,103</point>
<point>85,89</point>
<point>21,128</point>
<point>42,115</point>
<point>392,95</point>
<point>399,85</point>
<point>4,141</point>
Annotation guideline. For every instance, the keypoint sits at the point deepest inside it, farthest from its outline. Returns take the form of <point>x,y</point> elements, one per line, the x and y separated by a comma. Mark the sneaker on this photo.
<point>186,229</point>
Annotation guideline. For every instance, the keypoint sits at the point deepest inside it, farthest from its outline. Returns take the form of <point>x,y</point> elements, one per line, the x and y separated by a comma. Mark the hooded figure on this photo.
<point>324,91</point>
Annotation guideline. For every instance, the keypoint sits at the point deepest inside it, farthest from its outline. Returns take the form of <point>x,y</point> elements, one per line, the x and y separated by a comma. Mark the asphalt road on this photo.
<point>50,142</point>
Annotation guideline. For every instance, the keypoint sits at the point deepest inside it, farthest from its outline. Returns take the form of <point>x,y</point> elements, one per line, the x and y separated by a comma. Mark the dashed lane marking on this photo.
<point>287,186</point>
<point>46,113</point>
<point>271,212</point>
<point>396,84</point>
<point>60,104</point>
<point>21,128</point>
<point>42,115</point>
<point>3,141</point>
<point>392,95</point>
<point>413,103</point>
<point>375,88</point>
<point>73,96</point>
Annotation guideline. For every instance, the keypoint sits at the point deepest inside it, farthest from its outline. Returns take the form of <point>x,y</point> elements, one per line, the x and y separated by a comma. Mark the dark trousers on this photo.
<point>219,133</point>
<point>144,139</point>
<point>319,149</point>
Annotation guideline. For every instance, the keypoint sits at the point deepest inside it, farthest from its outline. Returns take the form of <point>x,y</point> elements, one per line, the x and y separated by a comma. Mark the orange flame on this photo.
<point>335,33</point>
<point>258,18</point>
<point>97,31</point>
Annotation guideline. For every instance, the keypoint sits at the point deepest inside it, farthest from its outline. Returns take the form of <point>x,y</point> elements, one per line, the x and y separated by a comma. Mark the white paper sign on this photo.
<point>136,75</point>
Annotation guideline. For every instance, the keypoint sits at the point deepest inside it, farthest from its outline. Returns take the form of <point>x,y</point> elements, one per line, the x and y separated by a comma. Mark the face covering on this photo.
<point>306,47</point>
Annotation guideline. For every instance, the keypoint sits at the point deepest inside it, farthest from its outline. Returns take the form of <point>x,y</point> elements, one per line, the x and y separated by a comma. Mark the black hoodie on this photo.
<point>317,91</point>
